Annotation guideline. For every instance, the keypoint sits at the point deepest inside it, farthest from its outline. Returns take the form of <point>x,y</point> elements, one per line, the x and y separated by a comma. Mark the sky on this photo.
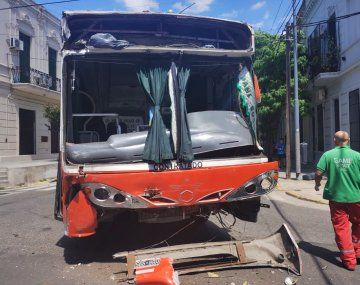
<point>261,14</point>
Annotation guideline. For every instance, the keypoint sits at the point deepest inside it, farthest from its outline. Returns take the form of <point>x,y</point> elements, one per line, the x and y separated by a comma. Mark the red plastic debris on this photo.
<point>155,271</point>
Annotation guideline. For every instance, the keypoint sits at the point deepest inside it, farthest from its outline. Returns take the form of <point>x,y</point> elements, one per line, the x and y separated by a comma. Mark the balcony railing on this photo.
<point>323,50</point>
<point>35,77</point>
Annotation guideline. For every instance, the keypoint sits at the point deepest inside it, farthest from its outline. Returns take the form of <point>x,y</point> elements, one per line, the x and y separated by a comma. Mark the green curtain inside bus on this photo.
<point>185,150</point>
<point>157,145</point>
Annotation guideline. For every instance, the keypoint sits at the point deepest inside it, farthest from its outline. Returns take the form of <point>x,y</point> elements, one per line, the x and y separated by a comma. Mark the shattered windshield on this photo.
<point>121,110</point>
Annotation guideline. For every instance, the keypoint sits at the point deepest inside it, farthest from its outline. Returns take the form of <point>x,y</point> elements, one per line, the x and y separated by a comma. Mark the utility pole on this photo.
<point>296,98</point>
<point>287,103</point>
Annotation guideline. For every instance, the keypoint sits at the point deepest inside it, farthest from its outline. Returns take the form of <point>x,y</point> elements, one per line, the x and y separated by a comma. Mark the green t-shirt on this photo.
<point>342,166</point>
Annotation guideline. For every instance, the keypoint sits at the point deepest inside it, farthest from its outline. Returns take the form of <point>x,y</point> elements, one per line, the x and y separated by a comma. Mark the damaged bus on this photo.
<point>158,119</point>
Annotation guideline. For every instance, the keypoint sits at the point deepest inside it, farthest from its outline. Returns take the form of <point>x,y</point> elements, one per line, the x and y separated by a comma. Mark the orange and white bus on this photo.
<point>158,120</point>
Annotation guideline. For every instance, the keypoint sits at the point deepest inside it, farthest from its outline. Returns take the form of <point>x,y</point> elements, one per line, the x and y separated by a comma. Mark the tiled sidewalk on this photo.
<point>302,189</point>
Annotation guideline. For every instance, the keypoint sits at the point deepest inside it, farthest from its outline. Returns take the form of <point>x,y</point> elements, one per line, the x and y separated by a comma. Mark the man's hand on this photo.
<point>318,177</point>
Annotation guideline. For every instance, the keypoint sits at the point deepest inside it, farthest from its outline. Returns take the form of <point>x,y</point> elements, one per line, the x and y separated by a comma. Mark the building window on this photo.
<point>337,115</point>
<point>332,30</point>
<point>320,128</point>
<point>354,118</point>
<point>25,59</point>
<point>52,67</point>
<point>323,48</point>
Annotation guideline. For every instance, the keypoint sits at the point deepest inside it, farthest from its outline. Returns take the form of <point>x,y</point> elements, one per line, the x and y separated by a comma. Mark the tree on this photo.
<point>269,65</point>
<point>52,113</point>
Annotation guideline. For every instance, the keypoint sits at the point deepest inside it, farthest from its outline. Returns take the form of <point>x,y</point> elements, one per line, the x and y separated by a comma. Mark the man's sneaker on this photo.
<point>349,266</point>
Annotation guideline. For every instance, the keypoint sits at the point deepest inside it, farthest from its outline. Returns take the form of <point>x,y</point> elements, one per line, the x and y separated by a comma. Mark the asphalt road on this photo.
<point>33,249</point>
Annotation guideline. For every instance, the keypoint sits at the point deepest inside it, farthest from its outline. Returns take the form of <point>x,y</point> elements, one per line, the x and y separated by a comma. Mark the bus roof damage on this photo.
<point>160,33</point>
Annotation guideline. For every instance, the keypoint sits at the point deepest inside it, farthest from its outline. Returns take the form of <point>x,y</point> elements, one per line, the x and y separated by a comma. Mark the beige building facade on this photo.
<point>334,65</point>
<point>30,46</point>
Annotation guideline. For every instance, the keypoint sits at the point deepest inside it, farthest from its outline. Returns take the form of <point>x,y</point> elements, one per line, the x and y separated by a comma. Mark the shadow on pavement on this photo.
<point>324,275</point>
<point>321,252</point>
<point>117,237</point>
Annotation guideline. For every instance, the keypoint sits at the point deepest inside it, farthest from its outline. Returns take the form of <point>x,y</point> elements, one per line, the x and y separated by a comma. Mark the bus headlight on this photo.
<point>101,193</point>
<point>260,185</point>
<point>109,197</point>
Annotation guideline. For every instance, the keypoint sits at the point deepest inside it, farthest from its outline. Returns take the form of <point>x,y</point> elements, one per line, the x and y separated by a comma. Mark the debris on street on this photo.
<point>277,250</point>
<point>290,280</point>
<point>213,275</point>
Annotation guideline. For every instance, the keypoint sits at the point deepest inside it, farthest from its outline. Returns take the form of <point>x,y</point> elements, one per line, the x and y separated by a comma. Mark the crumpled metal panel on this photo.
<point>278,250</point>
<point>78,26</point>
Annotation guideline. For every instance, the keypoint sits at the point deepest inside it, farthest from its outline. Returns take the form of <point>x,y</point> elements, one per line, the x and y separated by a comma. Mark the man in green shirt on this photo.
<point>342,189</point>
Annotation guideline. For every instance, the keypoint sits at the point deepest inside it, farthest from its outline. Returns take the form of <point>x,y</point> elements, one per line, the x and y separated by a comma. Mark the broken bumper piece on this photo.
<point>278,250</point>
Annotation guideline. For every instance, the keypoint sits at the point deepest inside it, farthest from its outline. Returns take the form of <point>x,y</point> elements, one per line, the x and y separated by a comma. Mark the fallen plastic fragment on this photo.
<point>290,280</point>
<point>213,275</point>
<point>155,271</point>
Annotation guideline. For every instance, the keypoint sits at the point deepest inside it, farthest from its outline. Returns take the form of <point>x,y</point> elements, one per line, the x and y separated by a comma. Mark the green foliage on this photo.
<point>269,65</point>
<point>52,113</point>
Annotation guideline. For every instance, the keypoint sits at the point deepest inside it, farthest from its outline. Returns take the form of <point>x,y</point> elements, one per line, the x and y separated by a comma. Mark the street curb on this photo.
<point>38,185</point>
<point>305,199</point>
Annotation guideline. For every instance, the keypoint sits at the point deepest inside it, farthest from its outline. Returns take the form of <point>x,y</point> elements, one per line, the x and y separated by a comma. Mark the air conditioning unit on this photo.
<point>16,44</point>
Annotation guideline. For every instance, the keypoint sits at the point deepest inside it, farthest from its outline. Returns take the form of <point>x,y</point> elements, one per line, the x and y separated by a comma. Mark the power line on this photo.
<point>329,20</point>
<point>278,38</point>
<point>289,13</point>
<point>40,4</point>
<point>284,19</point>
<point>183,10</point>
<point>336,19</point>
<point>277,13</point>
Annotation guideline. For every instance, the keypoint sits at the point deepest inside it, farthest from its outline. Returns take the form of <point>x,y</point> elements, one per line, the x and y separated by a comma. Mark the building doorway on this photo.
<point>54,141</point>
<point>354,118</point>
<point>27,137</point>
